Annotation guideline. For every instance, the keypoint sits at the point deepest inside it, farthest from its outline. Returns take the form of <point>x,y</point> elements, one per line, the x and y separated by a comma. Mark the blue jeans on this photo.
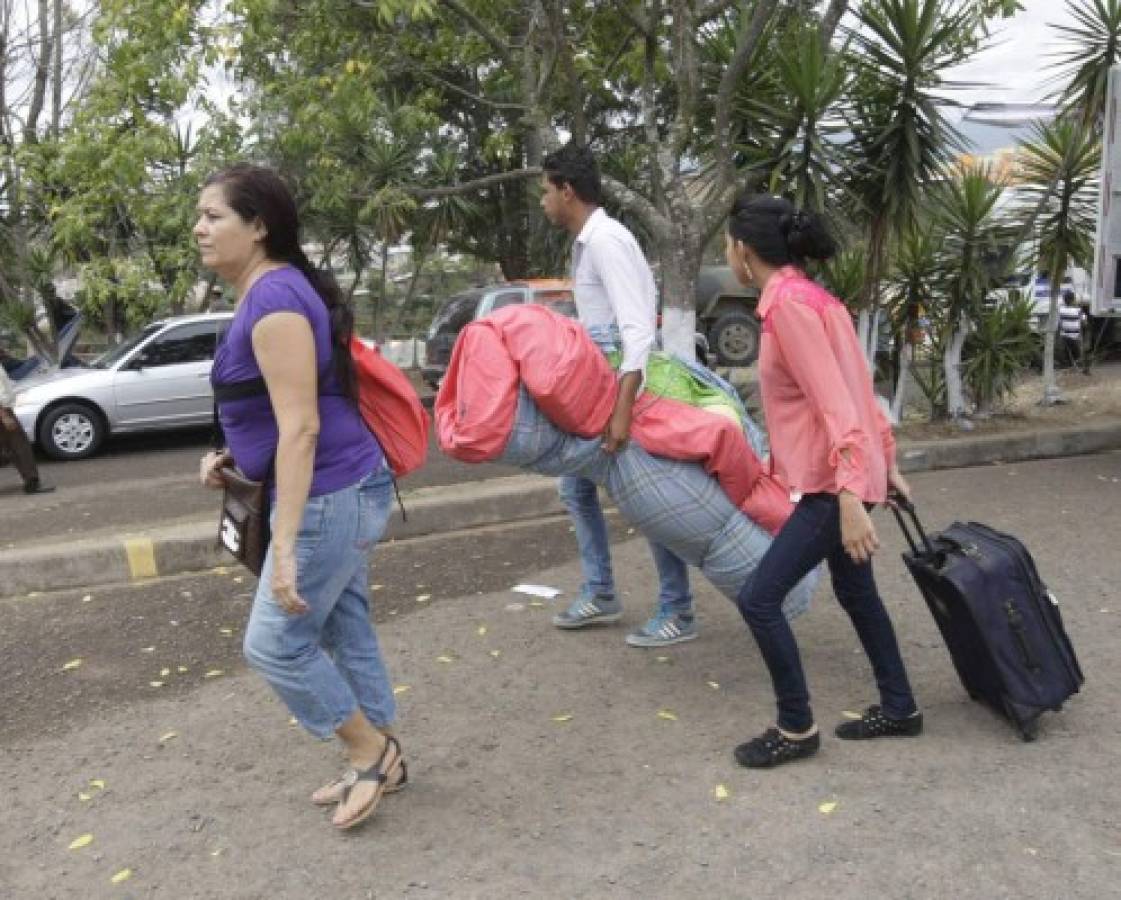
<point>581,498</point>
<point>813,533</point>
<point>326,663</point>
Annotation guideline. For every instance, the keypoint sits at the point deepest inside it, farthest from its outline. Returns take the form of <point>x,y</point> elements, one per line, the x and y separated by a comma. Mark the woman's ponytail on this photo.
<point>341,316</point>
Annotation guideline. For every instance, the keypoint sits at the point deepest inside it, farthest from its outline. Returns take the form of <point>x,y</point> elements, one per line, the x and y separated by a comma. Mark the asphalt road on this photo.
<point>141,479</point>
<point>183,616</point>
<point>530,748</point>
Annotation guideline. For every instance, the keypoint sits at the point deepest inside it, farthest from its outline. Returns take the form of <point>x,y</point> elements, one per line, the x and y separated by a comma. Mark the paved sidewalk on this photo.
<point>165,546</point>
<point>569,765</point>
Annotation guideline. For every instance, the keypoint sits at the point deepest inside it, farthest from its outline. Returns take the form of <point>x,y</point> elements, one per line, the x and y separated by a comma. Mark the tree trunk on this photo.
<point>680,256</point>
<point>951,363</point>
<point>56,74</point>
<point>863,329</point>
<point>1051,392</point>
<point>42,72</point>
<point>898,400</point>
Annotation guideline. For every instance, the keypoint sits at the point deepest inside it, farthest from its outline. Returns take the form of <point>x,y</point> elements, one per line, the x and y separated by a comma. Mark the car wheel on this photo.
<point>735,338</point>
<point>71,431</point>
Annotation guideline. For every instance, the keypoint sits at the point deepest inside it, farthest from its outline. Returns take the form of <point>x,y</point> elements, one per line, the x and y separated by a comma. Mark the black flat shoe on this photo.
<point>874,723</point>
<point>773,748</point>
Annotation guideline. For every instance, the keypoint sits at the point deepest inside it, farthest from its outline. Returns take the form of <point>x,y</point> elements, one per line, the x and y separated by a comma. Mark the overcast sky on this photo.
<point>1015,64</point>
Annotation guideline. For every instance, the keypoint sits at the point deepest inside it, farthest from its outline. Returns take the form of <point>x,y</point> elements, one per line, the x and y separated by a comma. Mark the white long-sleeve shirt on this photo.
<point>7,390</point>
<point>613,285</point>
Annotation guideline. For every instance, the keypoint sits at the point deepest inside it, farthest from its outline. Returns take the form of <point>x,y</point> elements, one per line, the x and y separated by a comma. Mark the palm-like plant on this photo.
<point>972,228</point>
<point>909,294</point>
<point>998,349</point>
<point>901,141</point>
<point>1093,47</point>
<point>1060,166</point>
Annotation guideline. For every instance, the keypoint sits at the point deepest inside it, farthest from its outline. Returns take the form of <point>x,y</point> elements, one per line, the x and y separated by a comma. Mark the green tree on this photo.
<point>972,232</point>
<point>1061,164</point>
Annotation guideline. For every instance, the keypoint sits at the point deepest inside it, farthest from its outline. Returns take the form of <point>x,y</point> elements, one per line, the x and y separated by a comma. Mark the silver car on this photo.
<point>158,379</point>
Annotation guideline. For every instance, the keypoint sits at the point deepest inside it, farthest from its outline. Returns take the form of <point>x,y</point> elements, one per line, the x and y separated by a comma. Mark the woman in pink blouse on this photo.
<point>832,445</point>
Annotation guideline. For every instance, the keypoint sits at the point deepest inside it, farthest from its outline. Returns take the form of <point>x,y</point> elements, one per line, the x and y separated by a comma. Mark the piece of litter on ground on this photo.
<point>169,736</point>
<point>81,841</point>
<point>536,604</point>
<point>515,607</point>
<point>849,714</point>
<point>715,685</point>
<point>182,670</point>
<point>123,875</point>
<point>213,673</point>
<point>562,717</point>
<point>662,659</point>
<point>84,797</point>
<point>423,598</point>
<point>720,792</point>
<point>87,598</point>
<point>481,631</point>
<point>155,684</point>
<point>147,649</point>
<point>292,721</point>
<point>165,672</point>
<point>496,653</point>
<point>97,784</point>
<point>227,632</point>
<point>667,715</point>
<point>73,664</point>
<point>238,579</point>
<point>401,688</point>
<point>444,658</point>
<point>221,570</point>
<point>827,807</point>
<point>373,587</point>
<point>630,531</point>
<point>217,852</point>
<point>537,590</point>
<point>1031,851</point>
<point>1103,609</point>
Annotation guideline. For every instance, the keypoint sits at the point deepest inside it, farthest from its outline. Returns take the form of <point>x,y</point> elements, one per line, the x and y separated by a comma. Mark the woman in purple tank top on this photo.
<point>309,631</point>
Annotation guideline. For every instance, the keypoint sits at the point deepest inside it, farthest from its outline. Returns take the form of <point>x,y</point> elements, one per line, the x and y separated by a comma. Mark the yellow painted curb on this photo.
<point>141,554</point>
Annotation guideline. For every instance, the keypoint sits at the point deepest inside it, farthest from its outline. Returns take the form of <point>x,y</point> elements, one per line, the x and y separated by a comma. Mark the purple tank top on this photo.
<point>346,451</point>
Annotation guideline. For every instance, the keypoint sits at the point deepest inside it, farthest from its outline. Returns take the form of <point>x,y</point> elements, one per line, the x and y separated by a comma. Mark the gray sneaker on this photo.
<point>589,610</point>
<point>663,630</point>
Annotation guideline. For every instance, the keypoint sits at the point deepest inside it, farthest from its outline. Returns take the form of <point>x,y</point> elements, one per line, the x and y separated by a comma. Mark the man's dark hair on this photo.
<point>575,166</point>
<point>1068,296</point>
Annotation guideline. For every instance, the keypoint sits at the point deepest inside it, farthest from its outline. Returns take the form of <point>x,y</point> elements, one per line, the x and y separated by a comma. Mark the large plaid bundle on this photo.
<point>677,504</point>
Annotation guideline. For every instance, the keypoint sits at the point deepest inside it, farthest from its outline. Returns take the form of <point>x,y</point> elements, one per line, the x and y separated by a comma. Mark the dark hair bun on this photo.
<point>808,238</point>
<point>779,232</point>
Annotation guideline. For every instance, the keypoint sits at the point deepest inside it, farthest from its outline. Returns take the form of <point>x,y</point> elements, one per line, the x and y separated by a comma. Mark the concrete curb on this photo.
<point>192,546</point>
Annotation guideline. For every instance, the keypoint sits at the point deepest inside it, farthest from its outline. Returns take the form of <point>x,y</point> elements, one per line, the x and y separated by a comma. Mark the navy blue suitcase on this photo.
<point>1000,622</point>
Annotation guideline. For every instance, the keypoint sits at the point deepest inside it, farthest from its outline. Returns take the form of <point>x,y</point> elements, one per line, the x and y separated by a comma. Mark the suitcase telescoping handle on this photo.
<point>900,505</point>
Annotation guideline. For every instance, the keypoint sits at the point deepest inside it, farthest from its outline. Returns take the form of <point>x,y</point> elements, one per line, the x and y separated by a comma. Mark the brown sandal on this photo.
<point>338,788</point>
<point>378,774</point>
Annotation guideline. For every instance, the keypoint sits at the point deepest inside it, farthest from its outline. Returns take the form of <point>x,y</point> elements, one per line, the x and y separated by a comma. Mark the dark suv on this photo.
<point>475,303</point>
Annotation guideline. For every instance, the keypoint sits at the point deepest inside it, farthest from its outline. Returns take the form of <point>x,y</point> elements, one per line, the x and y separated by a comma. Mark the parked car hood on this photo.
<point>76,376</point>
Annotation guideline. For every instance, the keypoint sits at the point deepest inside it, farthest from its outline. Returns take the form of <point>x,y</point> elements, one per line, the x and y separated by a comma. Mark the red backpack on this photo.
<point>390,408</point>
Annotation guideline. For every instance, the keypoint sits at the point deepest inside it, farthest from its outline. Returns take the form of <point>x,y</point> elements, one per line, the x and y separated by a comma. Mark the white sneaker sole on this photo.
<point>648,643</point>
<point>572,625</point>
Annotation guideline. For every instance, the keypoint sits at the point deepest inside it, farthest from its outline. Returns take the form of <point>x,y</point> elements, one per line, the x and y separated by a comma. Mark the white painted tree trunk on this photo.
<point>951,366</point>
<point>863,329</point>
<point>897,401</point>
<point>680,265</point>
<point>1051,392</point>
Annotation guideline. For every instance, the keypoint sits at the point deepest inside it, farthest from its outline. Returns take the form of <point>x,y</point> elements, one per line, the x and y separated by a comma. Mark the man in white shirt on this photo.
<point>1071,322</point>
<point>615,301</point>
<point>15,441</point>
